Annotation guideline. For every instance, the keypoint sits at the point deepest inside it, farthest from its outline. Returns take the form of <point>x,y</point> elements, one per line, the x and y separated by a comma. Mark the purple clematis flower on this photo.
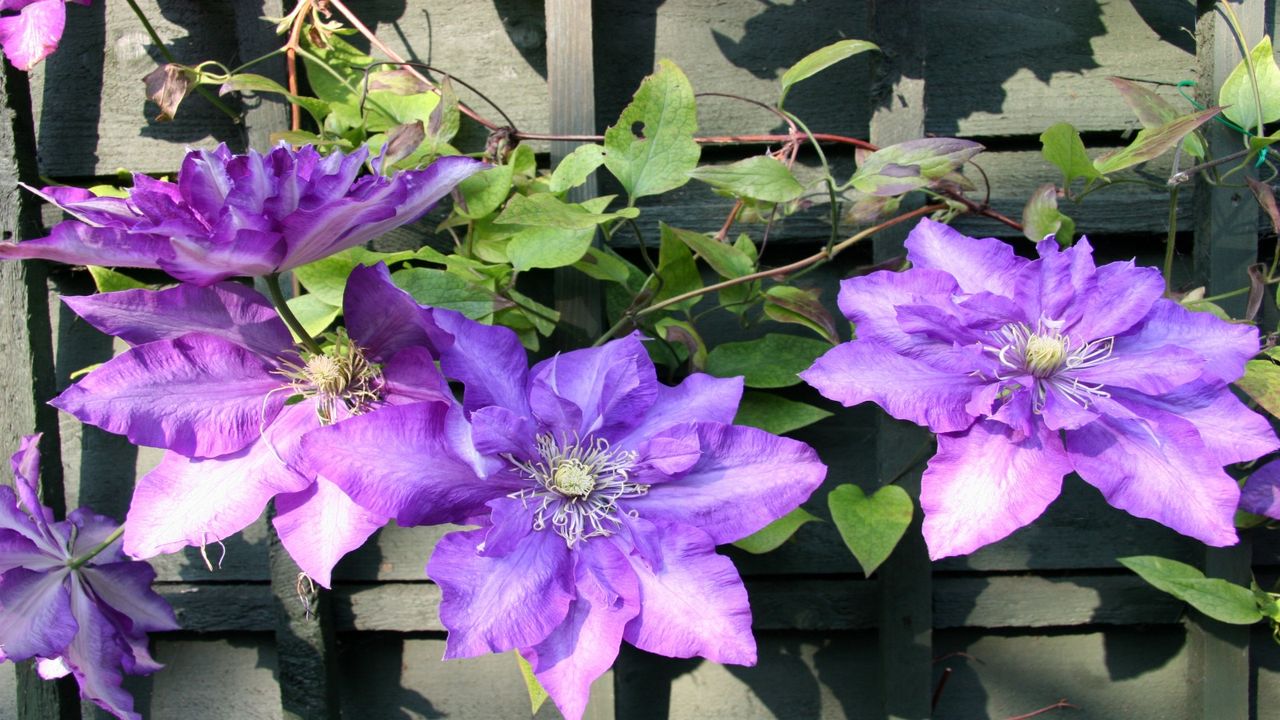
<point>1030,369</point>
<point>214,377</point>
<point>85,617</point>
<point>1261,492</point>
<point>601,495</point>
<point>231,215</point>
<point>30,29</point>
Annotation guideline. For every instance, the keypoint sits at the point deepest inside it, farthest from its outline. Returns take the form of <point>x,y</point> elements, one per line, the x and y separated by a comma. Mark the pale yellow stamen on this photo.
<point>573,478</point>
<point>1045,354</point>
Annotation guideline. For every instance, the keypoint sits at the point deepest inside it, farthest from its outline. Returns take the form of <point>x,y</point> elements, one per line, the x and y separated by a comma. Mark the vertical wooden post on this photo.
<point>1226,243</point>
<point>571,82</point>
<point>26,348</point>
<point>304,623</point>
<point>906,580</point>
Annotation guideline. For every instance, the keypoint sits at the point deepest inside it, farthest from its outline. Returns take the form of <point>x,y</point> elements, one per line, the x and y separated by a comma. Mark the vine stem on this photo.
<point>282,307</point>
<point>1169,240</point>
<point>168,56</point>
<point>77,563</point>
<point>291,61</point>
<point>819,257</point>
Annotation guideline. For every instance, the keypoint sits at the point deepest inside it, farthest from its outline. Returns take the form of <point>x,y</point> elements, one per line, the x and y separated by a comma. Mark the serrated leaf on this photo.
<point>576,167</point>
<point>548,247</point>
<point>313,312</point>
<point>771,536</point>
<point>1151,143</point>
<point>441,288</point>
<point>1221,600</point>
<point>1237,90</point>
<point>651,148</point>
<point>775,414</point>
<point>821,59</point>
<point>537,694</point>
<point>912,165</point>
<point>1261,382</point>
<point>870,526</point>
<point>484,191</point>
<point>772,361</point>
<point>763,177</point>
<point>548,211</point>
<point>786,304</point>
<point>1154,111</point>
<point>1041,217</point>
<point>726,260</point>
<point>108,280</point>
<point>1062,146</point>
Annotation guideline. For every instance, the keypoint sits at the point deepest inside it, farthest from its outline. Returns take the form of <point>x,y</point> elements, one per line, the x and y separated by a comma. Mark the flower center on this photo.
<point>577,485</point>
<point>341,375</point>
<point>1049,356</point>
<point>1044,354</point>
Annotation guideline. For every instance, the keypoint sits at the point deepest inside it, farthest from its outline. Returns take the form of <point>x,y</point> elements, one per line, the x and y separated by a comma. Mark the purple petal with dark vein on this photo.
<point>96,657</point>
<point>698,398</point>
<point>604,391</point>
<point>1224,346</point>
<point>126,588</point>
<point>1159,469</point>
<point>13,518</point>
<point>695,604</point>
<point>744,479</point>
<point>230,311</point>
<point>906,388</point>
<point>488,360</point>
<point>977,264</point>
<point>495,604</point>
<point>1149,370</point>
<point>319,525</point>
<point>1121,297</point>
<point>982,485</point>
<point>1261,493</point>
<point>434,475</point>
<point>411,376</point>
<point>585,645</point>
<point>90,531</point>
<point>195,502</point>
<point>510,522</point>
<point>75,243</point>
<point>383,319</point>
<point>35,613</point>
<point>205,261</point>
<point>197,395</point>
<point>203,181</point>
<point>1230,430</point>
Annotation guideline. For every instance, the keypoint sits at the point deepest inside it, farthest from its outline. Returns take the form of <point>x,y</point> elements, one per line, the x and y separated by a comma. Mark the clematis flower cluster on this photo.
<point>234,215</point>
<point>30,29</point>
<point>600,494</point>
<point>1030,369</point>
<point>69,597</point>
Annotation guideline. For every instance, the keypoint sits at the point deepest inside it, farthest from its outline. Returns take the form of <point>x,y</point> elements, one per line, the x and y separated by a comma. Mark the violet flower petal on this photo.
<point>983,485</point>
<point>1226,347</point>
<point>35,613</point>
<point>319,525</point>
<point>126,588</point>
<point>978,265</point>
<point>29,36</point>
<point>73,243</point>
<point>96,655</point>
<point>694,604</point>
<point>1230,431</point>
<point>1261,493</point>
<point>496,604</point>
<point>872,301</point>
<point>488,360</point>
<point>698,398</point>
<point>602,391</point>
<point>383,319</point>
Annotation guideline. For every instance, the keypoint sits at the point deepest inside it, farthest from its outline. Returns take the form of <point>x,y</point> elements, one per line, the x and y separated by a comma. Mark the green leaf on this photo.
<point>542,318</point>
<point>1151,143</point>
<point>786,304</point>
<point>1221,600</point>
<point>911,165</point>
<point>1261,382</point>
<point>537,693</point>
<point>483,192</point>
<point>576,167</point>
<point>821,59</point>
<point>763,177</point>
<point>677,270</point>
<point>771,536</point>
<point>315,314</point>
<point>684,333</point>
<point>1062,146</point>
<point>548,247</point>
<point>725,259</point>
<point>548,211</point>
<point>737,298</point>
<point>108,280</point>
<point>775,414</point>
<point>444,120</point>
<point>1154,111</point>
<point>1237,91</point>
<point>326,278</point>
<point>603,265</point>
<point>1041,217</point>
<point>768,362</point>
<point>870,526</point>
<point>440,288</point>
<point>651,149</point>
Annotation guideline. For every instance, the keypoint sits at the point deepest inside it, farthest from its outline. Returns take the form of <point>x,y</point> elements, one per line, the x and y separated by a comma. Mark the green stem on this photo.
<point>76,563</point>
<point>155,38</point>
<point>827,180</point>
<point>1169,240</point>
<point>282,307</point>
<point>241,68</point>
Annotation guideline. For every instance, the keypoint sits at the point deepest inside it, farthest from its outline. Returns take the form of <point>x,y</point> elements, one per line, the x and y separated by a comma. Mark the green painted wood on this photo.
<point>26,375</point>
